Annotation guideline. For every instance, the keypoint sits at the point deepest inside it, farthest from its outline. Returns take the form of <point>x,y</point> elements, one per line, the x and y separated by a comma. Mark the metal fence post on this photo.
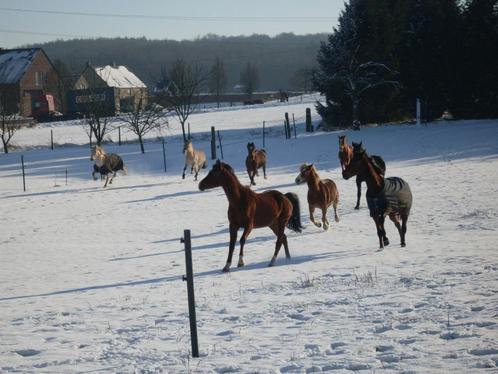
<point>190,291</point>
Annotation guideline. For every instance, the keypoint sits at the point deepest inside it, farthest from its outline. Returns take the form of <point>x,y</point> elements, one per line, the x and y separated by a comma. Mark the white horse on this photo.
<point>107,164</point>
<point>194,158</point>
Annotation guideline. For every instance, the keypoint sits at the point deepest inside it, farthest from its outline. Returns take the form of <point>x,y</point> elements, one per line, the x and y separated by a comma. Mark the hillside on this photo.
<point>277,58</point>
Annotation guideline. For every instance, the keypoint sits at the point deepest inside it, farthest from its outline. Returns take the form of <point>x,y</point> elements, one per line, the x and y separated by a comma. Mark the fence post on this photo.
<point>309,126</point>
<point>287,125</point>
<point>263,134</point>
<point>213,143</point>
<point>164,156</point>
<point>119,135</point>
<point>190,291</point>
<point>23,174</point>
<point>219,141</point>
<point>66,177</point>
<point>51,139</point>
<point>294,122</point>
<point>418,111</point>
<point>188,127</point>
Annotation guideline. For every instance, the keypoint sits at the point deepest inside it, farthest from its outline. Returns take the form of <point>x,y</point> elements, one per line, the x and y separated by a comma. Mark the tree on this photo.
<point>301,80</point>
<point>185,82</point>
<point>8,116</point>
<point>142,120</point>
<point>249,78</point>
<point>217,79</point>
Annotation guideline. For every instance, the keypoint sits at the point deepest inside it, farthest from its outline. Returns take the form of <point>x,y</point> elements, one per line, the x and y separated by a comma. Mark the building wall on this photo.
<point>34,82</point>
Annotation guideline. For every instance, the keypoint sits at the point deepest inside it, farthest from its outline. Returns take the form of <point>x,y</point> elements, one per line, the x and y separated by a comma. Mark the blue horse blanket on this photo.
<point>395,197</point>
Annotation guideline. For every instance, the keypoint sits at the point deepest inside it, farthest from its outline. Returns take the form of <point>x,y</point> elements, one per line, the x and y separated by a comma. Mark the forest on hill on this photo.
<point>278,59</point>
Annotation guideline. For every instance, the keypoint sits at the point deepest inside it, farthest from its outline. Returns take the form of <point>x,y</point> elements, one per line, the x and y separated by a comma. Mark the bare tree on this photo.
<point>249,78</point>
<point>217,79</point>
<point>185,81</point>
<point>9,123</point>
<point>301,80</point>
<point>97,116</point>
<point>143,119</point>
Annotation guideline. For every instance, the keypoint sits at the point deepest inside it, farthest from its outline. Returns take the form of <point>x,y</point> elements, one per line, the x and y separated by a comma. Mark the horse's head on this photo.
<point>357,163</point>
<point>97,152</point>
<point>187,145</point>
<point>250,148</point>
<point>342,141</point>
<point>216,176</point>
<point>305,172</point>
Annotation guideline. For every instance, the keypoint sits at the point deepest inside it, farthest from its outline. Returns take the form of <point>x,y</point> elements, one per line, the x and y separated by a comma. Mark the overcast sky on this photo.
<point>34,21</point>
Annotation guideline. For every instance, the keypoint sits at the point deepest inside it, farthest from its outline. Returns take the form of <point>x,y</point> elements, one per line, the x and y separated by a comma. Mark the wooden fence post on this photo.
<point>51,139</point>
<point>190,291</point>
<point>309,125</point>
<point>287,125</point>
<point>213,143</point>
<point>263,134</point>
<point>119,135</point>
<point>294,122</point>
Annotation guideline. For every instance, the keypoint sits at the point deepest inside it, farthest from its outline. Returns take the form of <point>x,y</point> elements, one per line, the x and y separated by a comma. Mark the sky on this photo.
<point>32,21</point>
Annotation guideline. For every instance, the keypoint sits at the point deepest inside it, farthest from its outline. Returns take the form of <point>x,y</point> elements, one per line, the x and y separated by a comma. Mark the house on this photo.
<point>125,88</point>
<point>25,76</point>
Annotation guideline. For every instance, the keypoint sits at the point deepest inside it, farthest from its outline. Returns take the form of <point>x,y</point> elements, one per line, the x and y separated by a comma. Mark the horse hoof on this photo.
<point>226,270</point>
<point>272,263</point>
<point>403,245</point>
<point>240,264</point>
<point>325,227</point>
<point>386,241</point>
<point>317,224</point>
<point>357,207</point>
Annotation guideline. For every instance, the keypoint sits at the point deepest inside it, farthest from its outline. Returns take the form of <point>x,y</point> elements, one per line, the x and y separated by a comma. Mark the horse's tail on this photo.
<point>295,221</point>
<point>125,170</point>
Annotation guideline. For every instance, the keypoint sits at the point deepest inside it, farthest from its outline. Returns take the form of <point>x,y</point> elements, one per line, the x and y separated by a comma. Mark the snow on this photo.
<point>91,278</point>
<point>119,76</point>
<point>14,63</point>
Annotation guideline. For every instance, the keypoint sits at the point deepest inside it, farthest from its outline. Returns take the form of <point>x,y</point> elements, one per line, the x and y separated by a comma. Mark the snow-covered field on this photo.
<point>91,278</point>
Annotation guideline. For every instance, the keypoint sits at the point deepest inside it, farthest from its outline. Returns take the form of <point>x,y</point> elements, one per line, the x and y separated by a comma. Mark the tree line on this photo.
<point>383,56</point>
<point>279,60</point>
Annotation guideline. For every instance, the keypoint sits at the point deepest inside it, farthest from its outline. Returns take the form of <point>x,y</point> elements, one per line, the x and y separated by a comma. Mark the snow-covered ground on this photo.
<point>91,278</point>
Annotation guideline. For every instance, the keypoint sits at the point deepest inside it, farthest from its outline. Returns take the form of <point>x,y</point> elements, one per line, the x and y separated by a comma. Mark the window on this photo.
<point>39,78</point>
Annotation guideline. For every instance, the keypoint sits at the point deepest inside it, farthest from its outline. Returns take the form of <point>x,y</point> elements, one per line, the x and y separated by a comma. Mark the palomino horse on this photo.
<point>345,156</point>
<point>106,164</point>
<point>322,193</point>
<point>385,196</point>
<point>248,210</point>
<point>194,158</point>
<point>255,159</point>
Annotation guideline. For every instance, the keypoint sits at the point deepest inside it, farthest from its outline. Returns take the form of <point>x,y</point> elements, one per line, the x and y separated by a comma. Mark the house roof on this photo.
<point>14,63</point>
<point>118,76</point>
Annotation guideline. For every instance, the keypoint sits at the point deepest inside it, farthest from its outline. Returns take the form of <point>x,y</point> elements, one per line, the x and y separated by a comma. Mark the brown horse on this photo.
<point>249,210</point>
<point>345,156</point>
<point>255,159</point>
<point>385,196</point>
<point>322,193</point>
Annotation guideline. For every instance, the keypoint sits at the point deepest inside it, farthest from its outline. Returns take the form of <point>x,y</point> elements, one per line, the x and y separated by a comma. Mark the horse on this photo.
<point>345,156</point>
<point>256,158</point>
<point>107,163</point>
<point>248,210</point>
<point>385,196</point>
<point>194,158</point>
<point>322,193</point>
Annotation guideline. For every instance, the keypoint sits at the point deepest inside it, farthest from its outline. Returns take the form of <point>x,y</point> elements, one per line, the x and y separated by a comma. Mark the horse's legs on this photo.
<point>243,238</point>
<point>113,175</point>
<point>396,220</point>
<point>324,219</point>
<point>286,245</point>
<point>196,172</point>
<point>381,233</point>
<point>312,219</point>
<point>279,231</point>
<point>336,216</point>
<point>231,246</point>
<point>264,170</point>
<point>106,180</point>
<point>252,174</point>
<point>184,168</point>
<point>358,192</point>
<point>404,218</point>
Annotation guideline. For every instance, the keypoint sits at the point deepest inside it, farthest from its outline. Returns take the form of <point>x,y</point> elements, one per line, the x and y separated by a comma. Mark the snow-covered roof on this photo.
<point>119,76</point>
<point>14,63</point>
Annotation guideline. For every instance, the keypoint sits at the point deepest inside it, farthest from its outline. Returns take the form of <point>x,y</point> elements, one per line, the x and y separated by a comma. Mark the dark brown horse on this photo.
<point>345,156</point>
<point>248,210</point>
<point>385,196</point>
<point>322,193</point>
<point>255,159</point>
